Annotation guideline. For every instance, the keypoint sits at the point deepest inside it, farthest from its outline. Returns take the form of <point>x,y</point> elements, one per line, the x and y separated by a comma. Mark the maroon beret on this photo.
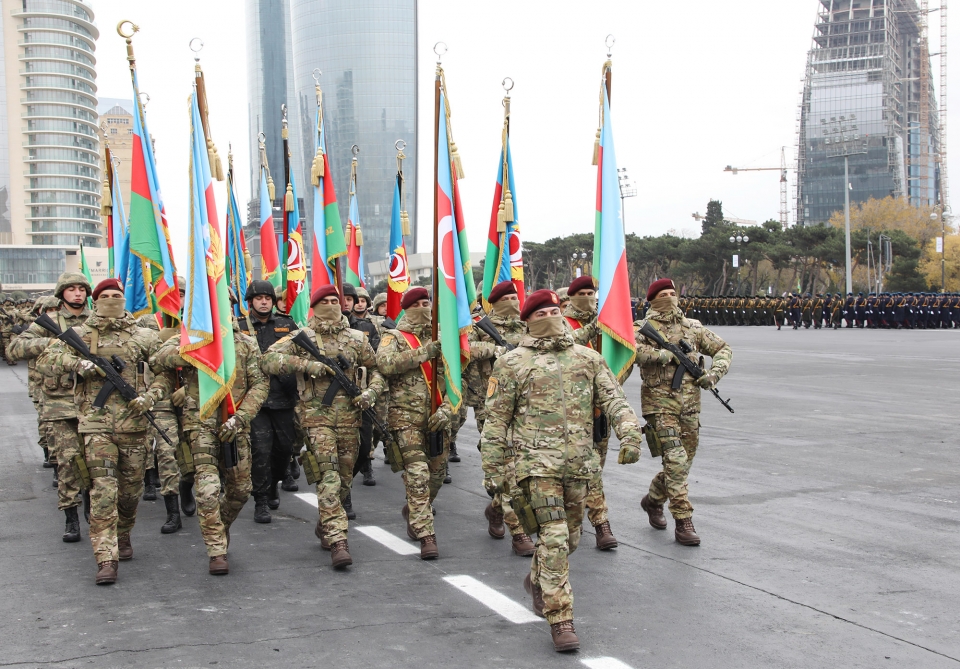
<point>538,300</point>
<point>322,292</point>
<point>107,284</point>
<point>501,289</point>
<point>657,286</point>
<point>581,283</point>
<point>414,295</point>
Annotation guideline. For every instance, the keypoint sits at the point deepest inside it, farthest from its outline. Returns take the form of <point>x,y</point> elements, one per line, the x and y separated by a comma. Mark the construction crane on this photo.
<point>783,181</point>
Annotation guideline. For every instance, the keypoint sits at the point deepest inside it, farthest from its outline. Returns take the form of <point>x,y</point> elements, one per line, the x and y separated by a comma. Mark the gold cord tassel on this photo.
<point>404,223</point>
<point>358,236</point>
<point>456,160</point>
<point>288,200</point>
<point>508,207</point>
<point>271,189</point>
<point>502,218</point>
<point>216,167</point>
<point>316,169</point>
<point>596,148</point>
<point>106,201</point>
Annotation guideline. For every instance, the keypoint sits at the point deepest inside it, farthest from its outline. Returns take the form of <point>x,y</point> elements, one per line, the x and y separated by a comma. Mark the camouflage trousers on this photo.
<point>457,422</point>
<point>348,449</point>
<point>324,443</point>
<point>501,500</point>
<point>115,461</point>
<point>166,454</point>
<point>217,516</point>
<point>557,539</point>
<point>64,444</point>
<point>596,500</point>
<point>41,429</point>
<point>422,477</point>
<point>671,482</point>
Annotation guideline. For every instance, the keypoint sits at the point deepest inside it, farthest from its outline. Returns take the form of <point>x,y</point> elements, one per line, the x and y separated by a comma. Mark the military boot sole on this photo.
<point>686,539</point>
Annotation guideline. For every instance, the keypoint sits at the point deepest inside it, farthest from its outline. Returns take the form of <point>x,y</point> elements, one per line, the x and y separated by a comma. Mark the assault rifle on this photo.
<point>685,364</point>
<point>111,369</point>
<point>491,331</point>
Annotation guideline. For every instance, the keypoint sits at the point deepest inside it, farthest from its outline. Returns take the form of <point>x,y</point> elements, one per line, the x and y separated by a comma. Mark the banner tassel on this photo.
<point>288,200</point>
<point>596,148</point>
<point>404,223</point>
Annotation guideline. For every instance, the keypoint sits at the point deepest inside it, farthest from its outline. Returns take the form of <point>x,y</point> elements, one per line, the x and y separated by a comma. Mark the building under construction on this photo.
<point>868,94</point>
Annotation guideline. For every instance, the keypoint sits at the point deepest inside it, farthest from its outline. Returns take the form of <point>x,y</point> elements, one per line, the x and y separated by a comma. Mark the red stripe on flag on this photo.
<point>617,319</point>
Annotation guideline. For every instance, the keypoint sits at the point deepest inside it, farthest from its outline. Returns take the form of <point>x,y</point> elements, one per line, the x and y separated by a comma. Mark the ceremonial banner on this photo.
<point>238,258</point>
<point>328,242</point>
<point>298,297</point>
<point>399,278</point>
<point>269,255</point>
<point>85,270</point>
<point>355,264</point>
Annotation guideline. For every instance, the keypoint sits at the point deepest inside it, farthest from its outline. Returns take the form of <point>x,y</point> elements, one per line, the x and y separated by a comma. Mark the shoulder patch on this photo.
<point>492,386</point>
<point>281,329</point>
<point>386,339</point>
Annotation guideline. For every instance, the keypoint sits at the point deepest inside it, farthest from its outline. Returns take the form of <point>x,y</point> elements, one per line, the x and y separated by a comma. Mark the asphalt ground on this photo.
<point>829,507</point>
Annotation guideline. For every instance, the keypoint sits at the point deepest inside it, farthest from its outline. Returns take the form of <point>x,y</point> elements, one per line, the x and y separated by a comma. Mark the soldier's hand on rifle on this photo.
<point>228,431</point>
<point>629,452</point>
<point>85,369</point>
<point>141,405</point>
<point>179,397</point>
<point>665,357</point>
<point>315,369</point>
<point>707,381</point>
<point>440,420</point>
<point>364,400</point>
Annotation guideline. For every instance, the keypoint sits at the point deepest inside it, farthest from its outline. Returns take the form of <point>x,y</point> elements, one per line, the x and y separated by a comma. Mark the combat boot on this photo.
<point>149,489</point>
<point>47,464</point>
<point>454,456</point>
<point>294,469</point>
<point>495,526</point>
<point>564,636</point>
<point>273,497</point>
<point>340,554</point>
<point>172,503</point>
<point>260,513</point>
<point>71,530</point>
<point>536,593</point>
<point>219,565</point>
<point>367,472</point>
<point>605,539</point>
<point>523,545</point>
<point>124,547</point>
<point>405,512</point>
<point>318,533</point>
<point>107,572</point>
<point>446,474</point>
<point>188,504</point>
<point>428,547</point>
<point>685,533</point>
<point>348,507</point>
<point>289,483</point>
<point>654,513</point>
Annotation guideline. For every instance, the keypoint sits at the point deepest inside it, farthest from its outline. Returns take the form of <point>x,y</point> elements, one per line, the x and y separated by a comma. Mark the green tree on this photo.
<point>714,216</point>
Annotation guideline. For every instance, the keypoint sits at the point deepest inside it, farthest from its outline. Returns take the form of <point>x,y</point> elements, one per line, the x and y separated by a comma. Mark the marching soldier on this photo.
<point>673,416</point>
<point>541,398</point>
<point>329,416</point>
<point>406,357</point>
<point>217,508</point>
<point>114,448</point>
<point>505,304</point>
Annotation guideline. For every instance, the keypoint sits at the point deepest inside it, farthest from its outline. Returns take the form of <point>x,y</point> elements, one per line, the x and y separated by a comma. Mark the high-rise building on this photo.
<point>868,92</point>
<point>116,132</point>
<point>366,51</point>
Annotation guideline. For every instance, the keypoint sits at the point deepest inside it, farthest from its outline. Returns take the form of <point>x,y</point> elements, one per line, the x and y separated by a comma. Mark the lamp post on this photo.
<point>842,135</point>
<point>738,239</point>
<point>627,189</point>
<point>578,264</point>
<point>942,243</point>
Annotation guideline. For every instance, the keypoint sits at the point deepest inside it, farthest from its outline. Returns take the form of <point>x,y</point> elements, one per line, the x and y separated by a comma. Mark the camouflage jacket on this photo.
<point>543,394</point>
<point>589,329</point>
<point>149,321</point>
<point>481,356</point>
<point>57,398</point>
<point>107,337</point>
<point>285,357</point>
<point>657,396</point>
<point>250,387</point>
<point>400,364</point>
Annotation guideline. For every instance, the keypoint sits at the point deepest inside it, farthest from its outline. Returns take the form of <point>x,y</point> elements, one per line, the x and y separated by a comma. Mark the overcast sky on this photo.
<point>697,85</point>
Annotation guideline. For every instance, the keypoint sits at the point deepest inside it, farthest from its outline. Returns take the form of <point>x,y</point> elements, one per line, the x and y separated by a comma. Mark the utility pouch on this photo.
<point>231,454</point>
<point>653,441</point>
<point>311,468</point>
<point>520,503</point>
<point>392,449</point>
<point>184,458</point>
<point>601,426</point>
<point>80,465</point>
<point>548,509</point>
<point>434,444</point>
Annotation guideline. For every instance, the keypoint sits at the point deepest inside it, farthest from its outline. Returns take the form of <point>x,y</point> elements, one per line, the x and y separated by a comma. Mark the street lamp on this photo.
<point>942,243</point>
<point>846,145</point>
<point>578,263</point>
<point>627,189</point>
<point>738,239</point>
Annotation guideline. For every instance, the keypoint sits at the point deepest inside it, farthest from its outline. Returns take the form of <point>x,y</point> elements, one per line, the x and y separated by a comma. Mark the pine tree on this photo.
<point>714,215</point>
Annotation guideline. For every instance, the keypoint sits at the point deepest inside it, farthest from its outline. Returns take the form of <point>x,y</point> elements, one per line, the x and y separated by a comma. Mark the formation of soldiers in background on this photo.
<point>319,399</point>
<point>924,311</point>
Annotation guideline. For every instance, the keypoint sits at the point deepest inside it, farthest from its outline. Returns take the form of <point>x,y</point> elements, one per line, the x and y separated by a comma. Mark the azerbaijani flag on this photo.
<point>298,298</point>
<point>399,278</point>
<point>504,260</point>
<point>85,270</point>
<point>149,237</point>
<point>456,295</point>
<point>206,335</point>
<point>354,275</point>
<point>269,255</point>
<point>328,242</point>
<point>610,258</point>
<point>238,258</point>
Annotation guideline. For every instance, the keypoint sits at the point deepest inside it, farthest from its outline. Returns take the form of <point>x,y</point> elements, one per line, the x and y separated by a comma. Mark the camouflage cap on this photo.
<point>381,298</point>
<point>71,279</point>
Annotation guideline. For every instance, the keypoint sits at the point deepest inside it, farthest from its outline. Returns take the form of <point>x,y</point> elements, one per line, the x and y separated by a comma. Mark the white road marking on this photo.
<point>308,497</point>
<point>506,607</point>
<point>605,663</point>
<point>394,543</point>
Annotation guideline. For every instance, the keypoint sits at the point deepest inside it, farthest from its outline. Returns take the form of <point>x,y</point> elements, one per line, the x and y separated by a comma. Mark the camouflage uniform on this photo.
<point>34,380</point>
<point>8,319</point>
<point>333,432</point>
<point>250,389</point>
<point>58,412</point>
<point>544,394</point>
<point>407,418</point>
<point>675,414</point>
<point>476,378</point>
<point>113,437</point>
<point>166,417</point>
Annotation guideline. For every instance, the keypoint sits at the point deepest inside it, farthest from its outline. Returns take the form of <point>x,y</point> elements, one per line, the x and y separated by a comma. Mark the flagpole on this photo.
<point>608,84</point>
<point>436,222</point>
<point>287,202</point>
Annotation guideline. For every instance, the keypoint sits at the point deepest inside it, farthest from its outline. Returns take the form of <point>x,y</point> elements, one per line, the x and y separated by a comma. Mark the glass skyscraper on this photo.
<point>868,89</point>
<point>367,52</point>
